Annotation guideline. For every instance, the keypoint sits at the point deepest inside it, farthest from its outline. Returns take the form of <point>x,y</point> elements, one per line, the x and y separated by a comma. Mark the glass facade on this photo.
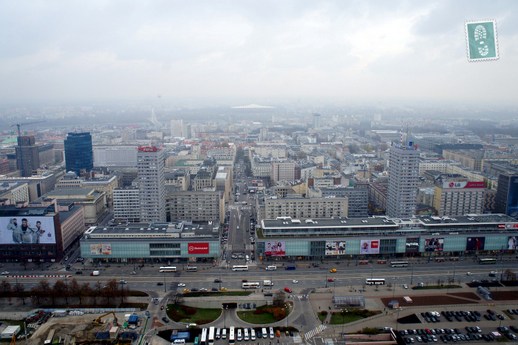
<point>79,152</point>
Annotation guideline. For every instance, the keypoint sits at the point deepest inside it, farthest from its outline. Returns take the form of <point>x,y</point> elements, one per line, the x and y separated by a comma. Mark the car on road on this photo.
<point>332,270</point>
<point>288,290</point>
<point>468,273</point>
<point>294,281</point>
<point>330,280</point>
<point>165,319</point>
<point>122,281</point>
<point>159,283</point>
<point>5,273</point>
<point>405,286</point>
<point>181,285</point>
<point>217,280</point>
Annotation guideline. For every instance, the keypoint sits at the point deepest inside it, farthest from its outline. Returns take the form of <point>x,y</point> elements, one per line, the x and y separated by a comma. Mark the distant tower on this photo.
<point>79,156</point>
<point>316,121</point>
<point>151,181</point>
<point>27,155</point>
<point>177,129</point>
<point>403,180</point>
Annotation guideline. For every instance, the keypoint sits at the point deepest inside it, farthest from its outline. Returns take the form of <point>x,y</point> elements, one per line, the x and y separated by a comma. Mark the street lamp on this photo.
<point>343,312</point>
<point>394,287</point>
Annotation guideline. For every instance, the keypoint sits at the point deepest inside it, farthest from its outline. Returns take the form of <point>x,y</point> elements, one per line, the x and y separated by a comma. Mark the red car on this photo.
<point>330,280</point>
<point>288,290</point>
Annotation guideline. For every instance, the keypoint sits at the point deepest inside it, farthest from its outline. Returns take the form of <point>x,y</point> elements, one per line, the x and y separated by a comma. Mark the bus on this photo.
<point>191,269</point>
<point>212,332</point>
<point>203,339</point>
<point>252,285</point>
<point>375,281</point>
<point>231,335</point>
<point>164,269</point>
<point>240,268</point>
<point>487,261</point>
<point>399,263</point>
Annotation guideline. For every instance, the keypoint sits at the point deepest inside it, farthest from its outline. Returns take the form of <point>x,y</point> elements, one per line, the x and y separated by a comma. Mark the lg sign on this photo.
<point>198,248</point>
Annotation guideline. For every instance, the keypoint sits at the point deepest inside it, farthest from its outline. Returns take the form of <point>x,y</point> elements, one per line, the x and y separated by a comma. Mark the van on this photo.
<point>252,334</point>
<point>239,334</point>
<point>264,332</point>
<point>267,283</point>
<point>272,335</point>
<point>271,268</point>
<point>247,258</point>
<point>246,336</point>
<point>218,333</point>
<point>224,333</point>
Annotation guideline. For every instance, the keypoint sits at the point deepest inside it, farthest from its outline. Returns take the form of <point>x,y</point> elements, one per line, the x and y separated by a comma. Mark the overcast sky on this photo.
<point>253,51</point>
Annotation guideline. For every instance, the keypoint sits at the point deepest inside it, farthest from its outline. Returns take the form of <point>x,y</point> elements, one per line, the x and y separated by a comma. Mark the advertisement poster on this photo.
<point>275,248</point>
<point>101,249</point>
<point>335,248</point>
<point>27,230</point>
<point>475,243</point>
<point>198,248</point>
<point>434,244</point>
<point>412,245</point>
<point>369,246</point>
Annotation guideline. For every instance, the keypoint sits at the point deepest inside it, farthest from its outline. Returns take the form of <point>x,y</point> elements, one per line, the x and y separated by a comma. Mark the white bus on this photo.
<point>399,263</point>
<point>252,285</point>
<point>191,269</point>
<point>487,261</point>
<point>203,339</point>
<point>231,335</point>
<point>212,331</point>
<point>167,269</point>
<point>375,281</point>
<point>240,268</point>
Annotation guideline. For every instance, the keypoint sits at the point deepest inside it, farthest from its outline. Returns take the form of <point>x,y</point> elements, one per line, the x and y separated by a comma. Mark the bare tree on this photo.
<point>60,289</point>
<point>20,291</point>
<point>6,288</point>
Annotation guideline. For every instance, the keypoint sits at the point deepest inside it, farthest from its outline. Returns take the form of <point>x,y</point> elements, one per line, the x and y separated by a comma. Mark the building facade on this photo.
<point>27,155</point>
<point>457,198</point>
<point>151,182</point>
<point>403,180</point>
<point>126,205</point>
<point>79,156</point>
<point>506,199</point>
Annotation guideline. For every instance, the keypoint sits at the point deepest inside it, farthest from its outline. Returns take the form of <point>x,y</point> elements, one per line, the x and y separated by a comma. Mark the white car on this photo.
<point>294,281</point>
<point>181,285</point>
<point>5,273</point>
<point>468,273</point>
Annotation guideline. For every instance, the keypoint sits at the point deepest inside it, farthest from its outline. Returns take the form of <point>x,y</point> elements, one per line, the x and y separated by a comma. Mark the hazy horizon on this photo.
<point>236,53</point>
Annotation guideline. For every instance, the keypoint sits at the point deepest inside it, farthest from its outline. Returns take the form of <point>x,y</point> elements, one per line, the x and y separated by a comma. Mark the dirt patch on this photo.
<point>504,295</point>
<point>470,295</point>
<point>429,300</point>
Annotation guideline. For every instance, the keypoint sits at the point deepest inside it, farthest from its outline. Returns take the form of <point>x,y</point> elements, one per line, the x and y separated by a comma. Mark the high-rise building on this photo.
<point>506,199</point>
<point>27,155</point>
<point>79,156</point>
<point>151,181</point>
<point>459,197</point>
<point>403,180</point>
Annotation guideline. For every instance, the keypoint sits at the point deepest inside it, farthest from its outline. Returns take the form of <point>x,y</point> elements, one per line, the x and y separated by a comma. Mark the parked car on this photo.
<point>288,290</point>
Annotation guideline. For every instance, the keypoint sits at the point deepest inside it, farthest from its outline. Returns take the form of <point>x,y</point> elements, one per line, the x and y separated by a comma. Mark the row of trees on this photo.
<point>66,292</point>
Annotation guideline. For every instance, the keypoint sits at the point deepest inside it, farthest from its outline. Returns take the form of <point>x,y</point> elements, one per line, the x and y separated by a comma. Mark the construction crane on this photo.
<point>19,125</point>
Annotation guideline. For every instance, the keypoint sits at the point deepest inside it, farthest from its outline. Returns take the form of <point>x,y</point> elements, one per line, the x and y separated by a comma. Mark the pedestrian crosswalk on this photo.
<point>317,330</point>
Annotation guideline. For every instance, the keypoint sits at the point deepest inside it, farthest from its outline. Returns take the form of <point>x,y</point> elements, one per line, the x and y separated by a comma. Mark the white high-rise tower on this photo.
<point>151,181</point>
<point>403,172</point>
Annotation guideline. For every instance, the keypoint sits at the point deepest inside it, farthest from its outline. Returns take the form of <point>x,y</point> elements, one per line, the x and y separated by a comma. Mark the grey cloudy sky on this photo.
<point>253,51</point>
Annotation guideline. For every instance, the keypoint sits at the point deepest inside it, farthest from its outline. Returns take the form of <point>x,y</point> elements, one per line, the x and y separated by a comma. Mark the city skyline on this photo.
<point>240,53</point>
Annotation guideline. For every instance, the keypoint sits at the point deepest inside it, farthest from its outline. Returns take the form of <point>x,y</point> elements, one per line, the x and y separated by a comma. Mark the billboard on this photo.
<point>275,248</point>
<point>463,184</point>
<point>512,243</point>
<point>369,246</point>
<point>412,245</point>
<point>434,244</point>
<point>335,248</point>
<point>198,248</point>
<point>101,249</point>
<point>475,243</point>
<point>27,230</point>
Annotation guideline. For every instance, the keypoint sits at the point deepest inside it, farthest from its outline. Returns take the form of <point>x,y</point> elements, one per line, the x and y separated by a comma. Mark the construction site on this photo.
<point>88,329</point>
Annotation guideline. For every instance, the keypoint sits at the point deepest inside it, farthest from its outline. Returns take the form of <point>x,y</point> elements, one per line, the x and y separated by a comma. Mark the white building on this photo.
<point>126,204</point>
<point>403,172</point>
<point>151,181</point>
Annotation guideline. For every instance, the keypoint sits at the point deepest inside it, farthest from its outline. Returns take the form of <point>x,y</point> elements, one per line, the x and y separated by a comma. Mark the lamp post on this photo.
<point>412,276</point>
<point>165,287</point>
<point>344,312</point>
<point>394,287</point>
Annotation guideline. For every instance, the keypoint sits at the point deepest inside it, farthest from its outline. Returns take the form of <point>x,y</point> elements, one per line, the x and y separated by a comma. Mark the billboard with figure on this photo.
<point>27,230</point>
<point>275,248</point>
<point>369,246</point>
<point>412,245</point>
<point>475,243</point>
<point>335,248</point>
<point>434,244</point>
<point>101,249</point>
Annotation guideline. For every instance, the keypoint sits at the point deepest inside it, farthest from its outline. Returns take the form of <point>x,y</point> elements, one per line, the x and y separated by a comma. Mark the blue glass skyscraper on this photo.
<point>79,156</point>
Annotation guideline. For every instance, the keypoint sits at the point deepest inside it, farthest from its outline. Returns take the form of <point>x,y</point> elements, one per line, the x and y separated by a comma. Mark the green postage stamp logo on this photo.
<point>482,40</point>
